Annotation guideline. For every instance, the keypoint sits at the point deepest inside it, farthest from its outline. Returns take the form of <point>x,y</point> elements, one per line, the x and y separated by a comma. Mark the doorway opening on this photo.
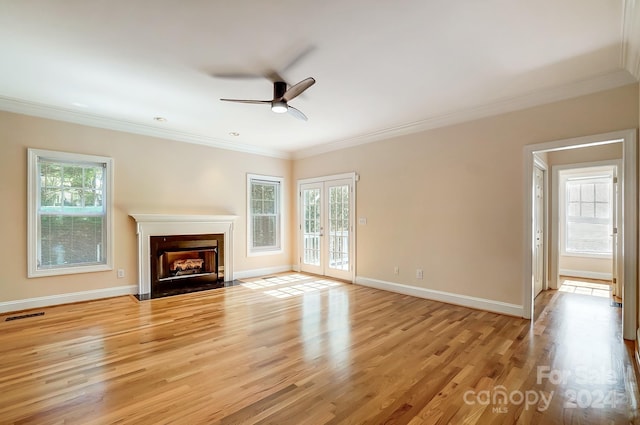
<point>626,261</point>
<point>586,210</point>
<point>326,211</point>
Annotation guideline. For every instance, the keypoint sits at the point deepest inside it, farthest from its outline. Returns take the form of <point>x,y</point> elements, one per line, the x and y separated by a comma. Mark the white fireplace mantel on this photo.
<point>166,225</point>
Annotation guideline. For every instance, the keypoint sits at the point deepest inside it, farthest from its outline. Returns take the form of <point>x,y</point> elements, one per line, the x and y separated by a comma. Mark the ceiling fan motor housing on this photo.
<point>279,89</point>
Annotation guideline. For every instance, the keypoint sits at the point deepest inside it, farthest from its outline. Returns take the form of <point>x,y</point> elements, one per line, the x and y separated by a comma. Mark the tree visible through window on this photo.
<point>588,215</point>
<point>69,212</point>
<point>264,213</point>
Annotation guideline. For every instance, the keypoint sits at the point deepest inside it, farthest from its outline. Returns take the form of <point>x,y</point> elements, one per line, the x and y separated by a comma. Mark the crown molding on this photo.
<point>60,114</point>
<point>630,59</point>
<point>608,81</point>
<point>611,80</point>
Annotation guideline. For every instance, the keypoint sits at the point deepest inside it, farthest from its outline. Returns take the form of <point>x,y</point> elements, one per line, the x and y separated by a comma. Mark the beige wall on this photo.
<point>151,176</point>
<point>450,200</point>
<point>587,265</point>
<point>447,200</point>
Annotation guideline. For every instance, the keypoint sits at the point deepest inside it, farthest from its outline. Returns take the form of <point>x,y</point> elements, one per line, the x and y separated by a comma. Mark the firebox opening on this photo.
<point>185,263</point>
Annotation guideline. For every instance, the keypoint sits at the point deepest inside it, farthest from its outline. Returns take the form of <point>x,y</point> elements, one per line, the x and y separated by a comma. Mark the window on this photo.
<point>264,217</point>
<point>588,214</point>
<point>69,213</point>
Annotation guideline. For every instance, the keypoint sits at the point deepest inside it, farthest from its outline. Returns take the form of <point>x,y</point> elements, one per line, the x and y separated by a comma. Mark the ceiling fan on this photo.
<point>282,96</point>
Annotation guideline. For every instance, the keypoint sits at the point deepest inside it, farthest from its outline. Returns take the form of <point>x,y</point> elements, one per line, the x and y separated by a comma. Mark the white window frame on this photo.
<point>278,249</point>
<point>33,202</point>
<point>564,175</point>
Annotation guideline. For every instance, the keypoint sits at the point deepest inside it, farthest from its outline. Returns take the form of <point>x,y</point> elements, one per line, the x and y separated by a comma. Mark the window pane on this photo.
<point>587,192</point>
<point>50,197</point>
<point>602,210</point>
<point>602,192</point>
<point>93,178</point>
<point>269,192</point>
<point>72,197</point>
<point>573,192</point>
<point>339,227</point>
<point>588,238</point>
<point>269,207</point>
<point>71,240</point>
<point>51,175</point>
<point>587,209</point>
<point>256,207</point>
<point>573,209</point>
<point>264,231</point>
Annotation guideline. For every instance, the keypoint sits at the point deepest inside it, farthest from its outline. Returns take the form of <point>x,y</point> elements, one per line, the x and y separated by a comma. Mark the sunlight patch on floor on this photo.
<point>586,288</point>
<point>296,284</point>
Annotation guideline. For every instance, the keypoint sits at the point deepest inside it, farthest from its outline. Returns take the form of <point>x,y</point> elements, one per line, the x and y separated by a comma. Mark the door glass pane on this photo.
<point>311,230</point>
<point>339,227</point>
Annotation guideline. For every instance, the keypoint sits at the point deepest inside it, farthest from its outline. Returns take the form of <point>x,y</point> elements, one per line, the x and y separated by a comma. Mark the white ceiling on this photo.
<point>397,67</point>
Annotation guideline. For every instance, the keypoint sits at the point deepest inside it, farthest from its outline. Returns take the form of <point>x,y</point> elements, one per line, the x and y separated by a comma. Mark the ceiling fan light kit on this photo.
<point>279,107</point>
<point>282,96</point>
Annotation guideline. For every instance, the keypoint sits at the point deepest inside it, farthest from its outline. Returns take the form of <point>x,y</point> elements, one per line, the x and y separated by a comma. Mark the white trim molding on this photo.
<point>611,80</point>
<point>278,182</point>
<point>164,224</point>
<point>34,269</point>
<point>445,297</point>
<point>618,78</point>
<point>72,297</point>
<point>630,58</point>
<point>40,110</point>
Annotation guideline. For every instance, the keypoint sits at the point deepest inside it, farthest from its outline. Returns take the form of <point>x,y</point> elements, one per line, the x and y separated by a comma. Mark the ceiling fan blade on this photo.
<point>297,113</point>
<point>273,76</point>
<point>297,89</point>
<point>236,75</point>
<point>301,54</point>
<point>246,101</point>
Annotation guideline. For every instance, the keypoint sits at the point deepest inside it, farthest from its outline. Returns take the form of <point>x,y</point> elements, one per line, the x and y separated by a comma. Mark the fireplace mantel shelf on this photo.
<point>163,218</point>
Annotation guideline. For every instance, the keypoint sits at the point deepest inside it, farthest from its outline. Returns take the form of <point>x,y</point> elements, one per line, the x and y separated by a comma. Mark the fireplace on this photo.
<point>184,263</point>
<point>183,253</point>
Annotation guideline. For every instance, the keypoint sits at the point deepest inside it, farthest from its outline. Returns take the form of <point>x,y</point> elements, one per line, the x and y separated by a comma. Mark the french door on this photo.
<point>326,227</point>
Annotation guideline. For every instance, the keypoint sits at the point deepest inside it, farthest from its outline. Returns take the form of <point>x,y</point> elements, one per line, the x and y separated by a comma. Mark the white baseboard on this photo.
<point>73,297</point>
<point>247,274</point>
<point>445,297</point>
<point>585,274</point>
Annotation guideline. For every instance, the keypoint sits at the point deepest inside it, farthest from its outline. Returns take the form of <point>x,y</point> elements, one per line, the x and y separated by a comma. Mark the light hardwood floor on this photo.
<point>297,349</point>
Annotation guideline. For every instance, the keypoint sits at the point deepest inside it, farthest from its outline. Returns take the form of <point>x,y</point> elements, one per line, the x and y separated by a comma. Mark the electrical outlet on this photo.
<point>120,273</point>
<point>396,270</point>
<point>419,274</point>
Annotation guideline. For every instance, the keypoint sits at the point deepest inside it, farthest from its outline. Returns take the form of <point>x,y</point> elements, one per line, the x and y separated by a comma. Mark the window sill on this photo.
<point>587,255</point>
<point>69,270</point>
<point>265,252</point>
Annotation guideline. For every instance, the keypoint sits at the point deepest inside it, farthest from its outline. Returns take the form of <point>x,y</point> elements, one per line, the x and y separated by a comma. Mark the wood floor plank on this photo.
<point>298,349</point>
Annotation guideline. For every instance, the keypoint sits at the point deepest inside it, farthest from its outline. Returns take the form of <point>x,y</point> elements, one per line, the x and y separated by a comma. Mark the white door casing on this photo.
<point>538,229</point>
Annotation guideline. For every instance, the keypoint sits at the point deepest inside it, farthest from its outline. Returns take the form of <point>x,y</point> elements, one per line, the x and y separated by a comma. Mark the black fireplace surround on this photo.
<point>185,263</point>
